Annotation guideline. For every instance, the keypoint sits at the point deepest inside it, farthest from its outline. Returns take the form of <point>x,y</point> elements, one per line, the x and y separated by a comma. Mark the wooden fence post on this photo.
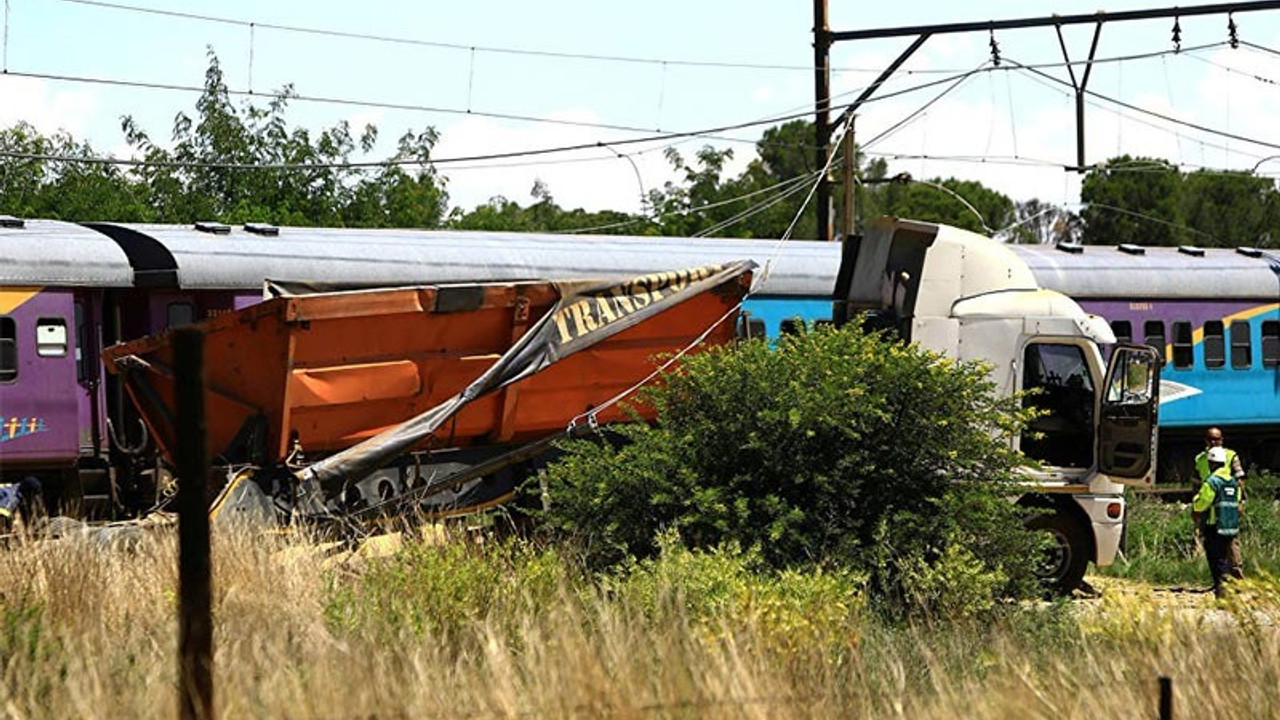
<point>195,618</point>
<point>1166,698</point>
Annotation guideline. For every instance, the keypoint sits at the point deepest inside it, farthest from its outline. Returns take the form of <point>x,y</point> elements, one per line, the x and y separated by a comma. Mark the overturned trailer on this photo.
<point>335,402</point>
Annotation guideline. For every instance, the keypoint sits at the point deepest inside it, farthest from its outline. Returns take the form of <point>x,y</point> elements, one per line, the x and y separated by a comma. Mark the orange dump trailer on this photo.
<point>326,371</point>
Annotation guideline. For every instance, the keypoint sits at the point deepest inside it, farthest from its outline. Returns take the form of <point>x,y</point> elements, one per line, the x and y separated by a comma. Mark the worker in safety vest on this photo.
<point>19,501</point>
<point>1216,513</point>
<point>8,505</point>
<point>1212,439</point>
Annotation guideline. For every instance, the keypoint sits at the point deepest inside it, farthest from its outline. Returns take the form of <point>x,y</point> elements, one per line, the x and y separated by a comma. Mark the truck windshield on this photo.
<point>1057,382</point>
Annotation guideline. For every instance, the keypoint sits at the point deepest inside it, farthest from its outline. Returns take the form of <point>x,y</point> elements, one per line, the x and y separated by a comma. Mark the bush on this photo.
<point>836,447</point>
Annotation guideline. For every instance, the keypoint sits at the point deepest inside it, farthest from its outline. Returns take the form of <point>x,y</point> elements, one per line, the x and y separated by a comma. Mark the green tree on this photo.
<point>1231,209</point>
<point>837,447</point>
<point>700,201</point>
<point>544,215</point>
<point>35,186</point>
<point>238,165</point>
<point>1133,200</point>
<point>1039,222</point>
<point>963,203</point>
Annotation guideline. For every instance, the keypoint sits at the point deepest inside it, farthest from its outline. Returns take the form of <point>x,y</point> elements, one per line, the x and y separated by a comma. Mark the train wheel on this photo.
<point>1067,556</point>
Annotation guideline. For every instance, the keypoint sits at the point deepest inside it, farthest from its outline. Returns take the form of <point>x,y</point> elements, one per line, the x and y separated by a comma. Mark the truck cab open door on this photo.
<point>1127,416</point>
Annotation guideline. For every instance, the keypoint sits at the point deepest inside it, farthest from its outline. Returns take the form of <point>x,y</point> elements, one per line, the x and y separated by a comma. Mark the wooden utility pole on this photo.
<point>822,113</point>
<point>850,175</point>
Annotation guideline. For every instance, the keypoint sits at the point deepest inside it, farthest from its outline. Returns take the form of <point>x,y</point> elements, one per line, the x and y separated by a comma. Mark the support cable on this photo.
<point>590,415</point>
<point>1153,113</point>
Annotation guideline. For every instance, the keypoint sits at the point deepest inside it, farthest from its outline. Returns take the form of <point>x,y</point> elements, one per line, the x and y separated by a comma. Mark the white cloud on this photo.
<point>594,178</point>
<point>33,101</point>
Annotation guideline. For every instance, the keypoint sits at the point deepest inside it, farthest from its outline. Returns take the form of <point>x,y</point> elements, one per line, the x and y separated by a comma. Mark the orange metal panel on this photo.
<point>338,368</point>
<point>345,384</point>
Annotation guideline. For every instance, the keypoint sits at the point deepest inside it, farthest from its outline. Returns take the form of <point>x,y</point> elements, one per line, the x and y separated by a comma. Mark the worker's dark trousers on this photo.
<point>1223,556</point>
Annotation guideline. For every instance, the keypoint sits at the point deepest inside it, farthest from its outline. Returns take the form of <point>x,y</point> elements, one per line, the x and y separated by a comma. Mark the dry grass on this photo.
<point>88,631</point>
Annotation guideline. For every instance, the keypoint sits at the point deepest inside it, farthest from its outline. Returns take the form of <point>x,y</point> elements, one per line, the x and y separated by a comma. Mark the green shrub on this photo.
<point>836,447</point>
<point>729,590</point>
<point>443,589</point>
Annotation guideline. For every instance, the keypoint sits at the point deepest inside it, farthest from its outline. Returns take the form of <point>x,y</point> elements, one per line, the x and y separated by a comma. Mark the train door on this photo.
<point>39,409</point>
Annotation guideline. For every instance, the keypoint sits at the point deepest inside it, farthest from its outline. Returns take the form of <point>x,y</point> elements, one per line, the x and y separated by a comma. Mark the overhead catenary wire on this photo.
<point>593,57</point>
<point>713,133</point>
<point>708,133</point>
<point>1059,86</point>
<point>496,49</point>
<point>754,210</point>
<point>1152,113</point>
<point>1149,218</point>
<point>775,252</point>
<point>923,108</point>
<point>658,217</point>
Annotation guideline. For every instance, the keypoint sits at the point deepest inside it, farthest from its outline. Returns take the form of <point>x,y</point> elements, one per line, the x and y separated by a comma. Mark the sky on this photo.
<point>504,76</point>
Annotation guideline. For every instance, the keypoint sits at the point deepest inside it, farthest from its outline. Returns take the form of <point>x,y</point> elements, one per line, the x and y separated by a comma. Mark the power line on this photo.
<point>787,185</point>
<point>464,47</point>
<point>1150,218</point>
<point>711,133</point>
<point>759,207</point>
<point>397,40</point>
<point>1153,113</point>
<point>918,111</point>
<point>795,113</point>
<point>1229,69</point>
<point>1132,118</point>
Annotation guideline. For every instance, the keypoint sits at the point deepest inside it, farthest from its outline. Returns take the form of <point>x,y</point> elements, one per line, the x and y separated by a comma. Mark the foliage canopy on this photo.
<point>837,447</point>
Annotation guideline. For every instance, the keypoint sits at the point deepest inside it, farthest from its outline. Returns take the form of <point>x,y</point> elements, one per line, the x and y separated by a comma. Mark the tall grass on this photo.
<point>1162,548</point>
<point>457,629</point>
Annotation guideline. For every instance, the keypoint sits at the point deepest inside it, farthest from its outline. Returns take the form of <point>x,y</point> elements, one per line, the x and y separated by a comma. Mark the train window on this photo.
<point>750,326</point>
<point>80,340</point>
<point>1123,330</point>
<point>1270,343</point>
<point>1183,355</point>
<point>1153,336</point>
<point>792,326</point>
<point>1241,345</point>
<point>1215,352</point>
<point>181,313</point>
<point>8,350</point>
<point>1056,378</point>
<point>51,337</point>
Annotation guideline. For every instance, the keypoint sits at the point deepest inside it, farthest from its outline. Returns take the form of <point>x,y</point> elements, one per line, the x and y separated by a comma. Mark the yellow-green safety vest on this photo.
<point>1202,463</point>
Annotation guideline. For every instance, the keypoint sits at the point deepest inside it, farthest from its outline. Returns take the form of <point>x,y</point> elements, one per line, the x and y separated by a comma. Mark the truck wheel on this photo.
<point>1067,556</point>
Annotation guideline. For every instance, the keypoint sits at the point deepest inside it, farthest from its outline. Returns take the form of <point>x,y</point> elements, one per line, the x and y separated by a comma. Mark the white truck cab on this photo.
<point>970,297</point>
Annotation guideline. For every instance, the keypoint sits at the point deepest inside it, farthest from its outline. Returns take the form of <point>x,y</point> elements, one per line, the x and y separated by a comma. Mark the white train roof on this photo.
<point>48,252</point>
<point>240,259</point>
<point>51,252</point>
<point>1108,271</point>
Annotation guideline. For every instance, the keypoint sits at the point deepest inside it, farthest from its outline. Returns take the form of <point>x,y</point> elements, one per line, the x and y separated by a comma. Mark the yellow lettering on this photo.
<point>562,324</point>
<point>622,300</point>
<point>582,321</point>
<point>655,286</point>
<point>587,316</point>
<point>606,313</point>
<point>641,295</point>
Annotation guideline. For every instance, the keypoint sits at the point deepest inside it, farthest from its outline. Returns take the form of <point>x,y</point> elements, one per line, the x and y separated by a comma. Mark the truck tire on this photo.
<point>1068,554</point>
